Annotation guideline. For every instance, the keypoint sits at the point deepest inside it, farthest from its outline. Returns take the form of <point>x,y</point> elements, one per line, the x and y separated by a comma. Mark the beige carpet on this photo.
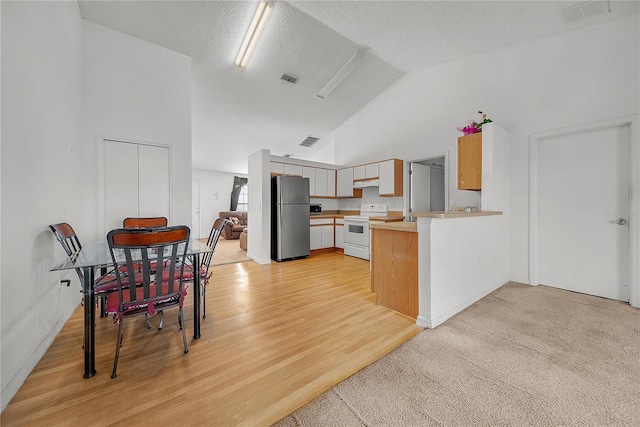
<point>228,252</point>
<point>521,356</point>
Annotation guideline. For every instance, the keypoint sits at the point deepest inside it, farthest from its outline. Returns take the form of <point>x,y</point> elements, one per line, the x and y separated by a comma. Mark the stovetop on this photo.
<point>370,210</point>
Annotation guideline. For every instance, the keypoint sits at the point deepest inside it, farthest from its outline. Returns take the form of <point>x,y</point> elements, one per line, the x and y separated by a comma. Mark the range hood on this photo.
<point>365,183</point>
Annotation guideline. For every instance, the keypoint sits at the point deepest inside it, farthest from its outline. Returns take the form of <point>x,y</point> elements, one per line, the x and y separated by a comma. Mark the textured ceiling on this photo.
<point>247,110</point>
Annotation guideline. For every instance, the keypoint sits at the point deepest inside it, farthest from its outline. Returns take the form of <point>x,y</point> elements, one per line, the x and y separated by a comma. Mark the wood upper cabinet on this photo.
<point>470,162</point>
<point>390,177</point>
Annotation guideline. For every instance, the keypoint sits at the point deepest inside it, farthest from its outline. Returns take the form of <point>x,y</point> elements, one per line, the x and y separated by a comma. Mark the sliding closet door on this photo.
<point>153,181</point>
<point>136,182</point>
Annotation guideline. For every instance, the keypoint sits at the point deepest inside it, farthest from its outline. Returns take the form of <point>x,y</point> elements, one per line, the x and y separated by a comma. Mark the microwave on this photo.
<point>315,209</point>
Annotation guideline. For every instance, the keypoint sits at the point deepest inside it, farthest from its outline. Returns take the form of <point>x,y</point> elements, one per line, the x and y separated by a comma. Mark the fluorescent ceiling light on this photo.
<point>342,73</point>
<point>253,34</point>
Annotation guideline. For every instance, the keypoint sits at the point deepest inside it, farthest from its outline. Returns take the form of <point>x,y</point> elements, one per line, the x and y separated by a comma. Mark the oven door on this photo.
<point>356,231</point>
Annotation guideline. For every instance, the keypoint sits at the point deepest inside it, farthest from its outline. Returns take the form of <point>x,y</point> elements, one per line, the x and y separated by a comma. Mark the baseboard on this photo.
<point>16,382</point>
<point>458,308</point>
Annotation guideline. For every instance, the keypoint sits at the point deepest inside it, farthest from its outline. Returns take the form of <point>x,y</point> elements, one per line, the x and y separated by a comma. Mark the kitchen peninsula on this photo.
<point>458,257</point>
<point>436,267</point>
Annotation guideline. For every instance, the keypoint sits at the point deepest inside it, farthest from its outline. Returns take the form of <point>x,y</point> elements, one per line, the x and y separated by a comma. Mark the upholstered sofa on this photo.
<point>234,227</point>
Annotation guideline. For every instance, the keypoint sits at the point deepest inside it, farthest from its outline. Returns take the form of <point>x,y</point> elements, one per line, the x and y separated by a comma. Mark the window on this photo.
<point>243,199</point>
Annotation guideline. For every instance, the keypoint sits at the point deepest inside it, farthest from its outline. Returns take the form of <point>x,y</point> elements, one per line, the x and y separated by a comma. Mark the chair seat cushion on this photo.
<point>108,283</point>
<point>187,275</point>
<point>113,300</point>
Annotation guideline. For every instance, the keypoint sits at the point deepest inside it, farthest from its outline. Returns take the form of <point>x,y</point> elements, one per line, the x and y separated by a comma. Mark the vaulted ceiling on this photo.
<point>250,109</point>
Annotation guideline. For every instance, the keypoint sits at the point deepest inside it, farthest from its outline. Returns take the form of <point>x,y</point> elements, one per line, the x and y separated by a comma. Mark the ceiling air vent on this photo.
<point>584,10</point>
<point>288,78</point>
<point>309,141</point>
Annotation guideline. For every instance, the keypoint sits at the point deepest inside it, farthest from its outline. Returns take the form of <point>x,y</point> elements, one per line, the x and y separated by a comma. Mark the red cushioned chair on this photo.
<point>143,249</point>
<point>150,222</point>
<point>69,241</point>
<point>205,262</point>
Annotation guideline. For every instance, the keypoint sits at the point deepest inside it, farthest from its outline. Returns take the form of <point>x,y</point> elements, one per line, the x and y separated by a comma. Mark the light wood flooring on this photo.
<point>275,337</point>
<point>227,252</point>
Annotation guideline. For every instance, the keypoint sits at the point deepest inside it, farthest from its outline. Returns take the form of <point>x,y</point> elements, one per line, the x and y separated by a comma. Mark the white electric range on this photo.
<point>356,230</point>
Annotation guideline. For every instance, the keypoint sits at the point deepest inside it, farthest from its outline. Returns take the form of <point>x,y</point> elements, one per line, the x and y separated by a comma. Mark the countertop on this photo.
<point>392,215</point>
<point>454,214</point>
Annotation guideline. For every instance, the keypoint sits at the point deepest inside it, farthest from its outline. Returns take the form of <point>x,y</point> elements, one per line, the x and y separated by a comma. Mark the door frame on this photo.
<point>407,180</point>
<point>634,196</point>
<point>101,181</point>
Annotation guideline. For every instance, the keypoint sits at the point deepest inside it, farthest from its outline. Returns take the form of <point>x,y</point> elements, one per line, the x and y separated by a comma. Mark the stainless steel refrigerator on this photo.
<point>290,237</point>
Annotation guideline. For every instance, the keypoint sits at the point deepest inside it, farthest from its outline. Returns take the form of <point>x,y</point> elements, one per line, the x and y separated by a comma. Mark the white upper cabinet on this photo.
<point>345,182</point>
<point>371,170</point>
<point>309,172</point>
<point>277,168</point>
<point>331,183</point>
<point>368,171</point>
<point>390,181</point>
<point>322,185</point>
<point>294,170</point>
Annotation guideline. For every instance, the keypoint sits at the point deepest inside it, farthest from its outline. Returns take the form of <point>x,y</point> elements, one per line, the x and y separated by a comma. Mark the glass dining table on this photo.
<point>96,255</point>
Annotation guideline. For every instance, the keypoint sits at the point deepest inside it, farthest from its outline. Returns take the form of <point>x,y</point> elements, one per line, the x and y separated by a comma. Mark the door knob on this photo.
<point>621,221</point>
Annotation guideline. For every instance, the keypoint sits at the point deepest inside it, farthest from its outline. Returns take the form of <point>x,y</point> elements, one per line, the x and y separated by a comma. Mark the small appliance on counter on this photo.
<point>315,209</point>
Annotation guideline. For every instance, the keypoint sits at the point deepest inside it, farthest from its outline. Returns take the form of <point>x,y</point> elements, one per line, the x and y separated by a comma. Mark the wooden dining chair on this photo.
<point>148,222</point>
<point>160,253</point>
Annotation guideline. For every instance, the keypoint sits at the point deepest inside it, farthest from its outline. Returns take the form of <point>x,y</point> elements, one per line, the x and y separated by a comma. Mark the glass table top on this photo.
<point>97,254</point>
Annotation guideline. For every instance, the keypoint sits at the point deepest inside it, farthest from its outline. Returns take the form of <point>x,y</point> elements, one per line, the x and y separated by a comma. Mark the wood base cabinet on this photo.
<point>394,270</point>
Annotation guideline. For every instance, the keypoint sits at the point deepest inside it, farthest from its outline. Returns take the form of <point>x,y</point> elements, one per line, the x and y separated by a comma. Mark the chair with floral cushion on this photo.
<point>160,253</point>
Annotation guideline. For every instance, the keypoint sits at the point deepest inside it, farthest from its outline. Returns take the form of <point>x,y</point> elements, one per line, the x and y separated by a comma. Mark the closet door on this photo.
<point>153,181</point>
<point>120,183</point>
<point>136,182</point>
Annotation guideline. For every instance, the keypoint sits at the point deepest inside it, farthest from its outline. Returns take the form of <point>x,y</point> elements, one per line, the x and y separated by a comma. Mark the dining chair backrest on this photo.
<point>69,241</point>
<point>212,241</point>
<point>149,222</point>
<point>155,253</point>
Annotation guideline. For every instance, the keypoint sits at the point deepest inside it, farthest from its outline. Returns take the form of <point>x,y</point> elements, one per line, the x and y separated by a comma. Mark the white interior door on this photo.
<point>420,188</point>
<point>583,193</point>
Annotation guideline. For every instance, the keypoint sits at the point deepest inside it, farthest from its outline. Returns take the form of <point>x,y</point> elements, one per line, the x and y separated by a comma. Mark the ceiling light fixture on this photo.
<point>253,34</point>
<point>342,73</point>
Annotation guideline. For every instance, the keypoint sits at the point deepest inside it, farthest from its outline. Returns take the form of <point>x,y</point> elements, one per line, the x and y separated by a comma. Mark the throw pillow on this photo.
<point>234,220</point>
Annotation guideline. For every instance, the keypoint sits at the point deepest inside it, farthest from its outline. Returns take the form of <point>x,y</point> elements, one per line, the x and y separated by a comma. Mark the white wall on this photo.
<point>65,84</point>
<point>259,238</point>
<point>140,92</point>
<point>568,79</point>
<point>41,154</point>
<point>460,261</point>
<point>215,196</point>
